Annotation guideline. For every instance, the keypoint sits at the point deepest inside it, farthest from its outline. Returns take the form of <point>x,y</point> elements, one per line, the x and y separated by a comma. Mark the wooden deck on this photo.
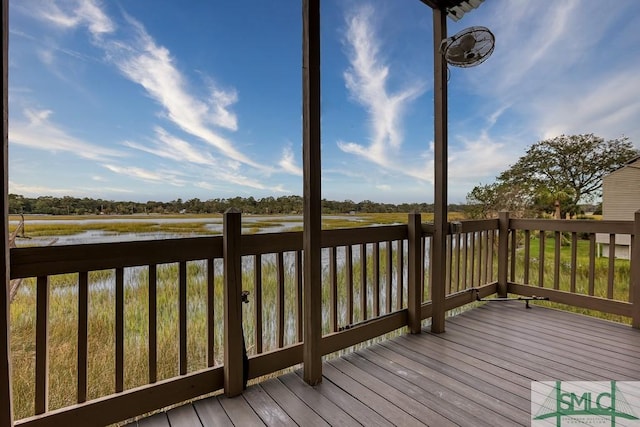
<point>478,373</point>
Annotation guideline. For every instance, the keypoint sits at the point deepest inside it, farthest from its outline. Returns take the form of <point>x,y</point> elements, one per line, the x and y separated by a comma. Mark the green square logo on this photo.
<point>585,403</point>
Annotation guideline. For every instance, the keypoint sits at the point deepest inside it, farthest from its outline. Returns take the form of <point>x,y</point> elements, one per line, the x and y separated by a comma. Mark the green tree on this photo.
<point>555,174</point>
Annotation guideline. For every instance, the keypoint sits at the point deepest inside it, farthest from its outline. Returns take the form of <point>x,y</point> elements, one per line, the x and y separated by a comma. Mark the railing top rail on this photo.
<point>470,226</point>
<point>51,260</point>
<point>360,235</point>
<point>573,225</point>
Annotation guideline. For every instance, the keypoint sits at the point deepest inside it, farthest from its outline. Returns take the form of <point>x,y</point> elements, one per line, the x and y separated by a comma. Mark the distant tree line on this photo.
<point>48,205</point>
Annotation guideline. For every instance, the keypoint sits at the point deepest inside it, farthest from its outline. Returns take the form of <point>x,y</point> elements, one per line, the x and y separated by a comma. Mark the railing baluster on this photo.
<point>400,275</point>
<point>592,263</point>
<point>512,268</point>
<point>473,259</point>
<point>424,283</point>
<point>480,256</point>
<point>257,301</point>
<point>458,239</point>
<point>541,240</point>
<point>153,323</point>
<point>182,314</point>
<point>349,274</point>
<point>449,263</point>
<point>491,254</point>
<point>389,276</point>
<point>363,282</point>
<point>527,255</point>
<point>333,290</point>
<point>556,262</point>
<point>299,295</point>
<point>612,265</point>
<point>119,329</point>
<point>503,253</point>
<point>426,295</point>
<point>280,301</point>
<point>465,260</point>
<point>211,318</point>
<point>574,261</point>
<point>376,279</point>
<point>42,345</point>
<point>83,320</point>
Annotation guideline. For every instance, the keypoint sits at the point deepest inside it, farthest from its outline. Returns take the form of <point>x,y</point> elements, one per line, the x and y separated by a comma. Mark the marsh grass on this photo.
<point>71,228</point>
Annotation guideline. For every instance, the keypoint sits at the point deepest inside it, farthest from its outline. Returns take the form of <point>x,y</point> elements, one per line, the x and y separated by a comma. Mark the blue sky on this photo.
<point>158,100</point>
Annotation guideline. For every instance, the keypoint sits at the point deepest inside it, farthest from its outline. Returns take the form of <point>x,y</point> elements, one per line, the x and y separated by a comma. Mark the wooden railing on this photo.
<point>374,279</point>
<point>367,282</point>
<point>563,260</point>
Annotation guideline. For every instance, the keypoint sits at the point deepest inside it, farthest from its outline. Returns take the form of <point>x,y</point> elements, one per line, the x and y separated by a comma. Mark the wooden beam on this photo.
<point>439,255</point>
<point>6,411</point>
<point>433,4</point>
<point>312,227</point>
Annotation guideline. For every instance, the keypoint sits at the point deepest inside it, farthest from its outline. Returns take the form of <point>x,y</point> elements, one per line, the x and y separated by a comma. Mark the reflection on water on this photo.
<point>214,225</point>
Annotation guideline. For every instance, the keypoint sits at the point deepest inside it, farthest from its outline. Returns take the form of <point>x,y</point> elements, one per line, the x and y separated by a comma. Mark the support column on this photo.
<point>503,253</point>
<point>6,407</point>
<point>414,286</point>
<point>439,254</point>
<point>233,369</point>
<point>312,194</point>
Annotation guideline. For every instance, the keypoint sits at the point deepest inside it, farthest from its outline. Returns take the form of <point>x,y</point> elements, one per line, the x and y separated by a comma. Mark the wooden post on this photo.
<point>439,241</point>
<point>232,233</point>
<point>312,226</point>
<point>635,271</point>
<point>6,407</point>
<point>414,294</point>
<point>503,253</point>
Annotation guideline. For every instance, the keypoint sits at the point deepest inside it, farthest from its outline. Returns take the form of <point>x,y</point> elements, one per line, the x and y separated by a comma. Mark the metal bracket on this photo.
<point>502,299</point>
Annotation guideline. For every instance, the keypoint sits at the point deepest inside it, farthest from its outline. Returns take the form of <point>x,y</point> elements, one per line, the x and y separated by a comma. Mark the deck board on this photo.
<point>266,408</point>
<point>211,413</point>
<point>478,373</point>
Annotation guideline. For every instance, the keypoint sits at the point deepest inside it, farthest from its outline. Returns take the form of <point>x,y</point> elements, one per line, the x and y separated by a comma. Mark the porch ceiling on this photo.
<point>455,8</point>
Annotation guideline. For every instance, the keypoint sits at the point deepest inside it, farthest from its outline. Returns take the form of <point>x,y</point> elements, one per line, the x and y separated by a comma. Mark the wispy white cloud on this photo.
<point>477,158</point>
<point>288,163</point>
<point>38,132</point>
<point>367,80</point>
<point>72,14</point>
<point>561,66</point>
<point>152,66</point>
<point>36,190</point>
<point>139,58</point>
<point>171,147</point>
<point>156,177</point>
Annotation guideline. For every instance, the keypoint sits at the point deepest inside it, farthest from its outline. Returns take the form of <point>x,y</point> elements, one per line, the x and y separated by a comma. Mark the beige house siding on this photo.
<point>620,200</point>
